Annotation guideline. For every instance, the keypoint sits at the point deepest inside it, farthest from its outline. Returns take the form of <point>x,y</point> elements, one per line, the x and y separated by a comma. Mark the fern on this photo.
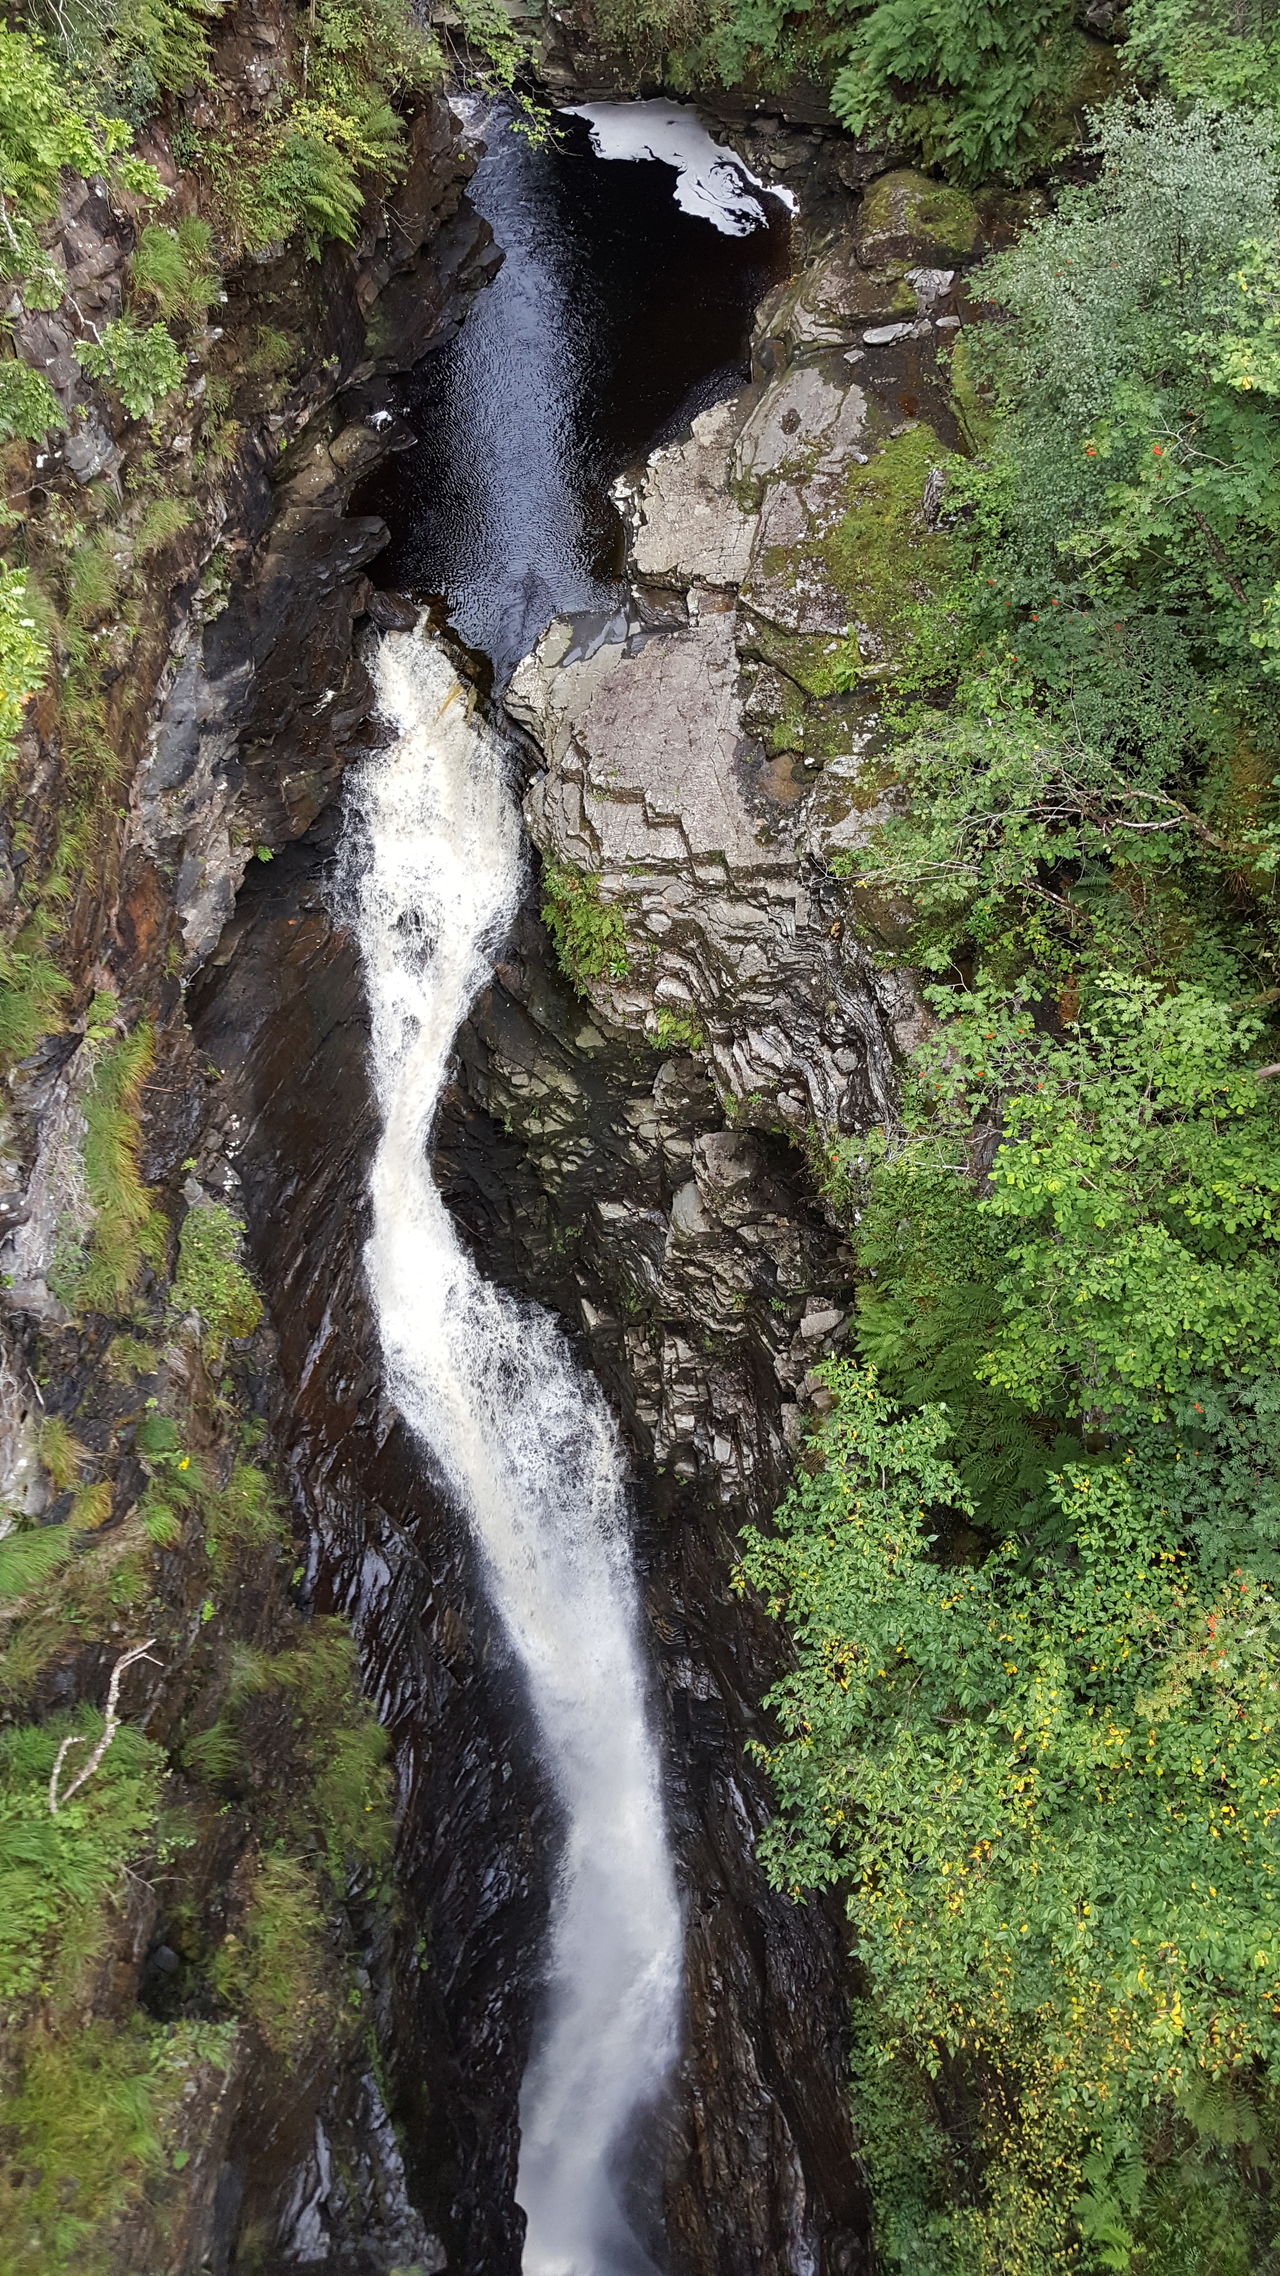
<point>28,405</point>
<point>174,269</point>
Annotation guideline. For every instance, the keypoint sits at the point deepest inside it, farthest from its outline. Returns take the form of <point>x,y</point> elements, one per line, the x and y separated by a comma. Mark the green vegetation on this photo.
<point>1030,1563</point>
<point>85,2137</point>
<point>676,1031</point>
<point>1221,50</point>
<point>126,1226</point>
<point>975,87</point>
<point>174,269</point>
<point>211,1280</point>
<point>24,654</point>
<point>1051,1793</point>
<point>278,1969</point>
<point>309,168</point>
<point>342,1790</point>
<point>589,935</point>
<point>57,1873</point>
<point>247,1740</point>
<point>28,405</point>
<point>972,88</point>
<point>143,365</point>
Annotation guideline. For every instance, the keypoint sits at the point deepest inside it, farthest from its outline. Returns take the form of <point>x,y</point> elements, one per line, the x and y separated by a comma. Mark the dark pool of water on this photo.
<point>614,317</point>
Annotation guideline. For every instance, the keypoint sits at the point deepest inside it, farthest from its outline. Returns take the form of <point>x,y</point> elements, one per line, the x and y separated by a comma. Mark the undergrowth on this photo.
<point>588,933</point>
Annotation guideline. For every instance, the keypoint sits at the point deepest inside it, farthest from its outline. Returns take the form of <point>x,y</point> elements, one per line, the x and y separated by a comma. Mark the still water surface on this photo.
<point>614,317</point>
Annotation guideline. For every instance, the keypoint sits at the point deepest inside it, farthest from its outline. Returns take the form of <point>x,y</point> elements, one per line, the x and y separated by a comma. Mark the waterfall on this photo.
<point>430,878</point>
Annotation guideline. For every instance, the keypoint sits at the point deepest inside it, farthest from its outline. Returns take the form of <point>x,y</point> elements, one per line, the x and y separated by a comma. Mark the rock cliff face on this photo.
<point>220,699</point>
<point>703,772</point>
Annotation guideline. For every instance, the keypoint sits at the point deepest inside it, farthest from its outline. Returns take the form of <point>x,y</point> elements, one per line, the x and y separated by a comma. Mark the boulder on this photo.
<point>909,220</point>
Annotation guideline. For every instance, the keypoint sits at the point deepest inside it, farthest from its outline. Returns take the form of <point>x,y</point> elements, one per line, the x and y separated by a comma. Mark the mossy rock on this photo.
<point>907,219</point>
<point>883,553</point>
<point>870,565</point>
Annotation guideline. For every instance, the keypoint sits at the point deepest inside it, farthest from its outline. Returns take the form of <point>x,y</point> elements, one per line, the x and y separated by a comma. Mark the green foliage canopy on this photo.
<point>971,85</point>
<point>1054,1794</point>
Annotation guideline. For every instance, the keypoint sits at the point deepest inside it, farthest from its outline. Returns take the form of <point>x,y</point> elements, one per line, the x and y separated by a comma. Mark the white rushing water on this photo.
<point>431,876</point>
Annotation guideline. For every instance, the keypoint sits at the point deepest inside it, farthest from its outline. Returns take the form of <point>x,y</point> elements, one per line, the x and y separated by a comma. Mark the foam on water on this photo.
<point>711,180</point>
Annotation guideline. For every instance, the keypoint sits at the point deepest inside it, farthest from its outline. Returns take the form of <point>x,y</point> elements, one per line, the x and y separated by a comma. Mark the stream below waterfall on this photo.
<point>620,309</point>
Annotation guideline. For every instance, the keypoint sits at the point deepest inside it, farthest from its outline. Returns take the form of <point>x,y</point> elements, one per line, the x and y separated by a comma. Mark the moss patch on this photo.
<point>882,552</point>
<point>211,1281</point>
<point>882,558</point>
<point>86,2136</point>
<point>127,1227</point>
<point>278,1971</point>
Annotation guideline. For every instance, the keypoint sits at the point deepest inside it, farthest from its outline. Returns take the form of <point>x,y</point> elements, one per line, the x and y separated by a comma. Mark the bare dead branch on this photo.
<point>110,1725</point>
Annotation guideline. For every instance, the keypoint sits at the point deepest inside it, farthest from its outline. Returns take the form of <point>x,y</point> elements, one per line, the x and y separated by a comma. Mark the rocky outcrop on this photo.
<point>706,773</point>
<point>704,769</point>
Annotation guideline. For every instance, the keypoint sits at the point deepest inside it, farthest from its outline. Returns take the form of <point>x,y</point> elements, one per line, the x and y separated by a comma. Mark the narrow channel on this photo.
<point>572,362</point>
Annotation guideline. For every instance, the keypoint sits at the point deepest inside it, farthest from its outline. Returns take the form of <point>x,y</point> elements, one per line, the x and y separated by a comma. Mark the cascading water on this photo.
<point>430,876</point>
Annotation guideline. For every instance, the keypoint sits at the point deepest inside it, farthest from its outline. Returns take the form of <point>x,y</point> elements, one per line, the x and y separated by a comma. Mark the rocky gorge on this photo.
<point>691,995</point>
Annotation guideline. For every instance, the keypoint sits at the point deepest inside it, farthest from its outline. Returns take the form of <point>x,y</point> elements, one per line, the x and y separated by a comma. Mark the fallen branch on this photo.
<point>111,1724</point>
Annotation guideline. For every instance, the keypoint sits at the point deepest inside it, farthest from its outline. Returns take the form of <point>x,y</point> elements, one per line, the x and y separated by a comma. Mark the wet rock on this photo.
<point>390,612</point>
<point>828,304</point>
<point>809,422</point>
<point>269,703</point>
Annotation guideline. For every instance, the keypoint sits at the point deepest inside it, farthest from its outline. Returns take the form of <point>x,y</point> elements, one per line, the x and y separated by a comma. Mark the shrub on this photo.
<point>44,127</point>
<point>971,85</point>
<point>1129,460</point>
<point>46,124</point>
<point>590,937</point>
<point>1045,1789</point>
<point>1125,1207</point>
<point>311,184</point>
<point>143,366</point>
<point>28,405</point>
<point>1225,51</point>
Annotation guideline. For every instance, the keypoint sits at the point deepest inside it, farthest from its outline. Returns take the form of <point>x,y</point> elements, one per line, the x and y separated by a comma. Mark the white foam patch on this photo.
<point>711,181</point>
